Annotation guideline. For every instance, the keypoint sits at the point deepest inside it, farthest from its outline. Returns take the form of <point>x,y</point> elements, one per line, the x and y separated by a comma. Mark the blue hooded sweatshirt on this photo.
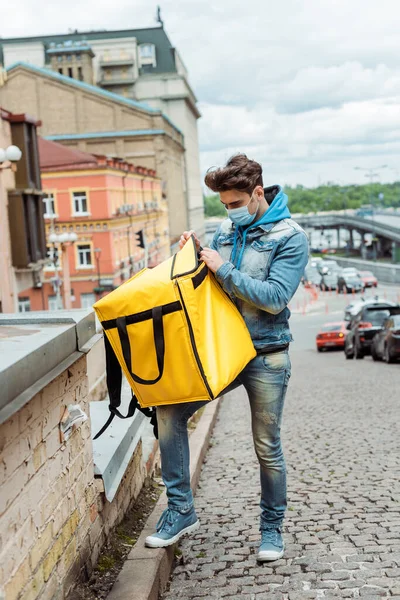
<point>278,210</point>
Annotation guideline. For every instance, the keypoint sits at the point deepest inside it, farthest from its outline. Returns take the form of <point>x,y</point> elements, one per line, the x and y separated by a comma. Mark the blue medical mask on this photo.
<point>241,216</point>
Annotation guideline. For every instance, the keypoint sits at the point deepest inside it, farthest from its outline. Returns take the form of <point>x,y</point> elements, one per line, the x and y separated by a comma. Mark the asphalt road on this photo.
<point>308,315</point>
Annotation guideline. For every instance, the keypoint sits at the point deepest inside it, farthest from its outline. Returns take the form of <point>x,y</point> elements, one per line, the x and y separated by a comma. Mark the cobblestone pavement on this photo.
<point>341,435</point>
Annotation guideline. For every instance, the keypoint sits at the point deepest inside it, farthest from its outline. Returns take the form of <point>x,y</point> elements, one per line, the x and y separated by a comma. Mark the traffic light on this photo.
<point>140,238</point>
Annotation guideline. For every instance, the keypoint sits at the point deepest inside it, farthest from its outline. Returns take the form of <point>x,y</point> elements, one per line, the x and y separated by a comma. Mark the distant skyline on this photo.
<point>309,89</point>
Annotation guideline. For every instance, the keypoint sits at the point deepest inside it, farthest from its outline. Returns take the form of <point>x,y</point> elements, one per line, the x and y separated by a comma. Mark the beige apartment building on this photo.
<point>96,121</point>
<point>138,64</point>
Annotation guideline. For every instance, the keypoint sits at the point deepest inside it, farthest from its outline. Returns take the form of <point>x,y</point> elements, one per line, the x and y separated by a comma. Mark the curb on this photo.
<point>146,571</point>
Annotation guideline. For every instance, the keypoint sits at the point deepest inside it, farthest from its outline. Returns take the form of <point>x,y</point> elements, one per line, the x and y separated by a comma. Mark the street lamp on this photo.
<point>97,252</point>
<point>65,239</point>
<point>127,209</point>
<point>370,171</point>
<point>9,156</point>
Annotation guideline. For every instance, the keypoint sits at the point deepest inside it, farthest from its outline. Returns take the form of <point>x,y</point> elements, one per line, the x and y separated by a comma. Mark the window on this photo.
<point>60,71</point>
<point>80,203</point>
<point>70,74</point>
<point>24,305</point>
<point>49,206</point>
<point>147,56</point>
<point>80,74</point>
<point>78,57</point>
<point>147,51</point>
<point>59,58</point>
<point>52,302</point>
<point>84,255</point>
<point>87,300</point>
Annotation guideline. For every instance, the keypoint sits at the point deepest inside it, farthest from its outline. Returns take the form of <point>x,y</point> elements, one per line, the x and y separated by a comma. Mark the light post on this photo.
<point>8,158</point>
<point>371,173</point>
<point>127,209</point>
<point>65,240</point>
<point>97,252</point>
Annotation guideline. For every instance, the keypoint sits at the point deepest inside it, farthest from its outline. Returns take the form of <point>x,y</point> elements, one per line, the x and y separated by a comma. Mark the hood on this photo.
<point>278,210</point>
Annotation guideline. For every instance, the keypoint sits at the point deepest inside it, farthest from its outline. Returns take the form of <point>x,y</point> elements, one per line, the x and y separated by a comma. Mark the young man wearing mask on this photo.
<point>258,256</point>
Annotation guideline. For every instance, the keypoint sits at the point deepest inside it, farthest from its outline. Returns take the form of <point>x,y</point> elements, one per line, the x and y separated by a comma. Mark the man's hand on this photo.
<point>185,236</point>
<point>212,259</point>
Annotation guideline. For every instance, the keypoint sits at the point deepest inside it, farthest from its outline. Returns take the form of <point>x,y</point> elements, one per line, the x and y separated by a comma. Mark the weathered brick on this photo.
<point>18,581</point>
<point>41,546</point>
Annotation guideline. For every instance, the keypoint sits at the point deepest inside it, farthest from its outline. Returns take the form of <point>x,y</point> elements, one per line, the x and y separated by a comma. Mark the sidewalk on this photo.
<point>342,530</point>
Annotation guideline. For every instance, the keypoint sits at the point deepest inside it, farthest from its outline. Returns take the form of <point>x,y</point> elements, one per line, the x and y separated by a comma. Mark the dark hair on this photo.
<point>240,173</point>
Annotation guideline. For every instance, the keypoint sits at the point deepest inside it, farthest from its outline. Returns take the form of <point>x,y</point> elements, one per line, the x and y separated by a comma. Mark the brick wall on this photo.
<point>53,515</point>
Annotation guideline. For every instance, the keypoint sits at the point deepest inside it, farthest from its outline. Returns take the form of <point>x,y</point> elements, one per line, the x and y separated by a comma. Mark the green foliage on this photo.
<point>105,563</point>
<point>336,197</point>
<point>325,197</point>
<point>213,206</point>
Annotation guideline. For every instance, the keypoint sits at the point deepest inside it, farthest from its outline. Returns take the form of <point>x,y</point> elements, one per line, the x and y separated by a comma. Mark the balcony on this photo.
<point>119,61</point>
<point>111,81</point>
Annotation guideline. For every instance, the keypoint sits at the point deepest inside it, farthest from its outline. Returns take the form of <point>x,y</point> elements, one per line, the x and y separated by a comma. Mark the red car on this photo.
<point>368,279</point>
<point>331,335</point>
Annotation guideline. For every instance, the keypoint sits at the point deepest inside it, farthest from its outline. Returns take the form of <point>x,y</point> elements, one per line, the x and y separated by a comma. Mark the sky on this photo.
<point>309,88</point>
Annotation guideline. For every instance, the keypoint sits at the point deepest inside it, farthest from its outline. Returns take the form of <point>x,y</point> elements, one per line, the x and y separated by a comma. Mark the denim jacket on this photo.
<point>273,263</point>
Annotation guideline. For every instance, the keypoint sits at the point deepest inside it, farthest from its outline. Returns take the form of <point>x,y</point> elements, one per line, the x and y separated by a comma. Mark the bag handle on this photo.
<point>159,342</point>
<point>114,384</point>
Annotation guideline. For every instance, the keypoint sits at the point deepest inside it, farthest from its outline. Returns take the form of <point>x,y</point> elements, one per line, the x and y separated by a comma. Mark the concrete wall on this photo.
<point>32,53</point>
<point>54,515</point>
<point>385,272</point>
<point>172,95</point>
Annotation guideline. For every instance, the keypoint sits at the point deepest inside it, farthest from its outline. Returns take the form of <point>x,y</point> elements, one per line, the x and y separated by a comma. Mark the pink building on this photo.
<point>106,202</point>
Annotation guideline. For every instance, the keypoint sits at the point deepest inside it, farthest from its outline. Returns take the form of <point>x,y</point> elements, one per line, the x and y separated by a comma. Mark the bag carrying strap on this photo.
<point>114,386</point>
<point>159,343</point>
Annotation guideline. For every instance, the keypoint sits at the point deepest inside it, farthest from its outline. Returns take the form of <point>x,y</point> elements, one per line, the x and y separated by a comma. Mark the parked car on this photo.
<point>364,326</point>
<point>349,280</point>
<point>329,281</point>
<point>354,307</point>
<point>331,335</point>
<point>386,343</point>
<point>331,265</point>
<point>311,277</point>
<point>368,279</point>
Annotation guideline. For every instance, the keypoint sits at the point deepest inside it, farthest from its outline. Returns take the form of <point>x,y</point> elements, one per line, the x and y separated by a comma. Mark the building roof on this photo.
<point>56,157</point>
<point>94,89</point>
<point>6,115</point>
<point>151,35</point>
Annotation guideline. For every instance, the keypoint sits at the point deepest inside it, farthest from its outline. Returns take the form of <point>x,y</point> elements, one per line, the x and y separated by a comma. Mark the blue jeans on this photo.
<point>265,379</point>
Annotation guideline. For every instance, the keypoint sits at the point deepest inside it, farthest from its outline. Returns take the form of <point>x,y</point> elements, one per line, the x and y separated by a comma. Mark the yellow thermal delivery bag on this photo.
<point>176,334</point>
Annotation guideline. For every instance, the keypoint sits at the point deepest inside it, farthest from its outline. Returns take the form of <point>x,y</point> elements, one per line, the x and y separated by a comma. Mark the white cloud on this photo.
<point>310,88</point>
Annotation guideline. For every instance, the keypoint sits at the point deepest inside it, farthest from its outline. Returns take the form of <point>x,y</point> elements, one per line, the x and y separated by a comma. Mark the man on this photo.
<point>258,256</point>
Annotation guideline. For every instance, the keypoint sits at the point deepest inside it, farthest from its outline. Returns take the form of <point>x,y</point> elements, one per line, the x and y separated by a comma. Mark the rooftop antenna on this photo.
<point>158,18</point>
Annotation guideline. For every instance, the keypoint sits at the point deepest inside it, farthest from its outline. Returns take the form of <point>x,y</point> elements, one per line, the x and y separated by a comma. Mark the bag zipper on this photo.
<point>193,342</point>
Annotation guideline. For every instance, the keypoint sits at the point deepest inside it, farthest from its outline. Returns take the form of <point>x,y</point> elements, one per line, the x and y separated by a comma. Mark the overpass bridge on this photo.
<point>388,235</point>
<point>339,220</point>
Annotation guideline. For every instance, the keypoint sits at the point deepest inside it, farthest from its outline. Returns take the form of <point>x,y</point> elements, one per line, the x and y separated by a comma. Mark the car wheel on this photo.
<point>319,349</point>
<point>348,355</point>
<point>386,355</point>
<point>374,355</point>
<point>359,354</point>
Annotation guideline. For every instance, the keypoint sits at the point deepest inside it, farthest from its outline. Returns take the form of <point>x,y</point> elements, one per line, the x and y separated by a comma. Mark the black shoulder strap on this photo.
<point>114,386</point>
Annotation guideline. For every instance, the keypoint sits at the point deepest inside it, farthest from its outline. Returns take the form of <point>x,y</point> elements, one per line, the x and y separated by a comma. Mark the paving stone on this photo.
<point>342,526</point>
